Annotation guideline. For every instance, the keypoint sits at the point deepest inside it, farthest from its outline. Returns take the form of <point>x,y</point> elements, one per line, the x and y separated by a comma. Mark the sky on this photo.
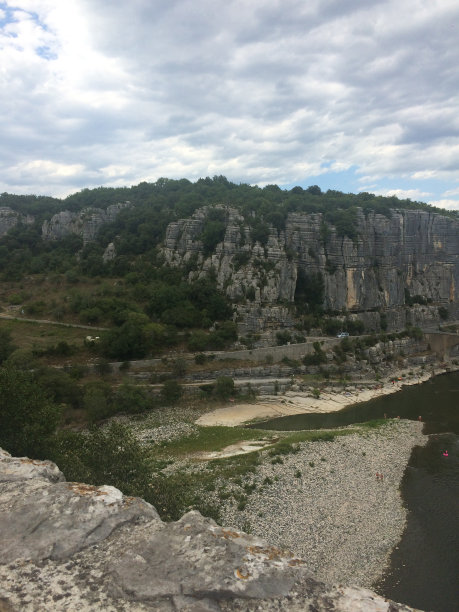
<point>353,95</point>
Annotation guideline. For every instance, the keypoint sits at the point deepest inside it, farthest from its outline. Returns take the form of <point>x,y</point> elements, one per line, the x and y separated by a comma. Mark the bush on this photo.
<point>131,400</point>
<point>443,313</point>
<point>171,392</point>
<point>316,358</point>
<point>28,418</point>
<point>60,387</point>
<point>6,344</point>
<point>214,231</point>
<point>198,341</point>
<point>283,337</point>
<point>103,367</point>
<point>224,387</point>
<point>109,455</point>
<point>23,359</point>
<point>179,367</point>
<point>98,401</point>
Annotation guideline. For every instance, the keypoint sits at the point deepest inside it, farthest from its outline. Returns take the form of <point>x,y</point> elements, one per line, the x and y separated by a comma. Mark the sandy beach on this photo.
<point>298,402</point>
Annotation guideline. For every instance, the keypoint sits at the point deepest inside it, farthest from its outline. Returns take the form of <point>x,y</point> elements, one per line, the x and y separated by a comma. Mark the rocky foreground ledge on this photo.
<point>70,546</point>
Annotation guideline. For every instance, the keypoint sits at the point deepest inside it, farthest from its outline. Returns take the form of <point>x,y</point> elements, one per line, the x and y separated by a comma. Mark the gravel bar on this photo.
<point>326,504</point>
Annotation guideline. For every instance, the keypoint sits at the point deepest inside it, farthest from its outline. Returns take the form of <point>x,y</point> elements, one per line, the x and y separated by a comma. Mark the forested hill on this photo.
<point>184,197</point>
<point>142,226</point>
<point>188,255</point>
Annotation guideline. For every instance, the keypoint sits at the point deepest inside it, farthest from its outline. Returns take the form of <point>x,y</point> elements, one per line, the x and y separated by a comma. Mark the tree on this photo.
<point>98,400</point>
<point>131,399</point>
<point>59,386</point>
<point>109,455</point>
<point>224,387</point>
<point>130,341</point>
<point>28,418</point>
<point>309,291</point>
<point>6,344</point>
<point>171,392</point>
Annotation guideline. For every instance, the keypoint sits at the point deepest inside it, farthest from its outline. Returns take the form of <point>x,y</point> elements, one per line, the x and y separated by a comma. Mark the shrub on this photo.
<point>179,367</point>
<point>6,344</point>
<point>131,399</point>
<point>443,313</point>
<point>28,418</point>
<point>97,401</point>
<point>171,392</point>
<point>198,341</point>
<point>125,366</point>
<point>283,337</point>
<point>23,359</point>
<point>224,387</point>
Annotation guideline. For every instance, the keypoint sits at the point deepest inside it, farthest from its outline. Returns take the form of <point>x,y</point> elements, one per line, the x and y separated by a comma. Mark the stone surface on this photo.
<point>42,516</point>
<point>415,252</point>
<point>68,546</point>
<point>10,218</point>
<point>85,223</point>
<point>196,557</point>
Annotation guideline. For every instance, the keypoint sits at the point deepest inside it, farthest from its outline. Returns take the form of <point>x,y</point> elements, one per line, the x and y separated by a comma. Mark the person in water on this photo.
<point>445,454</point>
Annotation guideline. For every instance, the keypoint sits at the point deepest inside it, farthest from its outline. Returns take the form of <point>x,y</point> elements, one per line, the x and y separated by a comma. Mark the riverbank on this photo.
<point>325,504</point>
<point>329,400</point>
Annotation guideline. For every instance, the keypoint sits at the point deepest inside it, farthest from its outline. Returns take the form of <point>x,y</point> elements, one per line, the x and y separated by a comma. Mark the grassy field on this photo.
<point>28,335</point>
<point>183,482</point>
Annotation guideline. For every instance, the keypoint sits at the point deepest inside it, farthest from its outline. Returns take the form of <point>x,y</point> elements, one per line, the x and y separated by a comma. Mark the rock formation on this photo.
<point>69,546</point>
<point>10,218</point>
<point>85,223</point>
<point>411,256</point>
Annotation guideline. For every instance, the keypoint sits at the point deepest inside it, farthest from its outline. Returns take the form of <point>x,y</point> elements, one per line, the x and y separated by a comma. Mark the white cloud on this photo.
<point>262,91</point>
<point>451,192</point>
<point>445,203</point>
<point>405,194</point>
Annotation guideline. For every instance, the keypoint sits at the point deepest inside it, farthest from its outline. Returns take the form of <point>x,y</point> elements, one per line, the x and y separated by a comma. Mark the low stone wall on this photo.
<point>291,351</point>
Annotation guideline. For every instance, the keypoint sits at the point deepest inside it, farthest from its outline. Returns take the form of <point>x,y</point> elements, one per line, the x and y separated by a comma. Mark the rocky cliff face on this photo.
<point>9,218</point>
<point>412,253</point>
<point>69,546</point>
<point>85,223</point>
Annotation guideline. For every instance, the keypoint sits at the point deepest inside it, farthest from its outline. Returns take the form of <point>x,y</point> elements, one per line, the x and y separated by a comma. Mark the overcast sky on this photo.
<point>355,95</point>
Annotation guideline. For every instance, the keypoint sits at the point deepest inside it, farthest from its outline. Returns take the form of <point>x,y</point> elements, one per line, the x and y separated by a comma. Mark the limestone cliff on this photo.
<point>69,546</point>
<point>85,223</point>
<point>10,218</point>
<point>390,260</point>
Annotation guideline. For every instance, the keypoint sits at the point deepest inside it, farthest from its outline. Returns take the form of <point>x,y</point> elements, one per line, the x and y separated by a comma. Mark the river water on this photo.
<point>424,568</point>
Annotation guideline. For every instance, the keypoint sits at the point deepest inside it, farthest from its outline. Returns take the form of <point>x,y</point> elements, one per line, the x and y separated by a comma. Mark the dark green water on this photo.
<point>424,569</point>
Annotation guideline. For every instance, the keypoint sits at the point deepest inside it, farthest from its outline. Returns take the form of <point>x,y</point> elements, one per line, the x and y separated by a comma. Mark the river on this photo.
<point>424,568</point>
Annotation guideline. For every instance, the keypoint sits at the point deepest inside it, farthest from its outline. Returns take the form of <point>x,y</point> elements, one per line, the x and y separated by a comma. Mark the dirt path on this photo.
<point>48,322</point>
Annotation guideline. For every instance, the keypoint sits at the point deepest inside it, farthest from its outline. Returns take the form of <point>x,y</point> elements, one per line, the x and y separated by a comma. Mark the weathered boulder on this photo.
<point>45,517</point>
<point>68,546</point>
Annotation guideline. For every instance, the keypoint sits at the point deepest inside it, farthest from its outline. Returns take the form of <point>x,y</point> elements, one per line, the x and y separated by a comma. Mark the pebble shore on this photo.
<point>325,503</point>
